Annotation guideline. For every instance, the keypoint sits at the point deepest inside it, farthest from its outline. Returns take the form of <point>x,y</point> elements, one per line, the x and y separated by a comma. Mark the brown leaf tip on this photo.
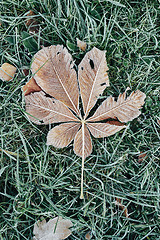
<point>31,87</point>
<point>82,45</point>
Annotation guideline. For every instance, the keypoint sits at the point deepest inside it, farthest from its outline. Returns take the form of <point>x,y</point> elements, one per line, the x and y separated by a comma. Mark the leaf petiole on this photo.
<point>83,158</point>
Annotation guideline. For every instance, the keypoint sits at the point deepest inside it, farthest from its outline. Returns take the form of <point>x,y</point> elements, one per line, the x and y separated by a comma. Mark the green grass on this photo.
<point>42,182</point>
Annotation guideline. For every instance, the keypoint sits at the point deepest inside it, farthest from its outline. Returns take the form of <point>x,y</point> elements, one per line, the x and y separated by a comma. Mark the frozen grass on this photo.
<point>38,181</point>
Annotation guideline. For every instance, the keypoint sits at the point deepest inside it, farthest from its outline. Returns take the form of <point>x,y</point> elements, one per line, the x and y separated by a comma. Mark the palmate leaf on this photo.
<point>55,100</point>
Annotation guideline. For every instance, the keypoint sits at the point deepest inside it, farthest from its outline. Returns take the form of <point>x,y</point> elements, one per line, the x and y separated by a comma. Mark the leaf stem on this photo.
<point>83,158</point>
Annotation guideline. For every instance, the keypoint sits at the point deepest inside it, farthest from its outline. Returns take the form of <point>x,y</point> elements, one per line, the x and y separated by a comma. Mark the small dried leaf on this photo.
<point>30,87</point>
<point>122,207</point>
<point>54,73</point>
<point>62,135</point>
<point>45,110</point>
<point>88,236</point>
<point>100,130</point>
<point>125,109</point>
<point>82,45</point>
<point>31,22</point>
<point>93,78</point>
<point>142,157</point>
<point>7,72</point>
<point>83,142</point>
<point>54,229</point>
<point>158,121</point>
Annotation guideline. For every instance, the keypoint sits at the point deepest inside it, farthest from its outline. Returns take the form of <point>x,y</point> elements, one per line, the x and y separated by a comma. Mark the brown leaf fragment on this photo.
<point>88,236</point>
<point>31,87</point>
<point>158,121</point>
<point>31,22</point>
<point>93,77</point>
<point>45,110</point>
<point>100,130</point>
<point>125,109</point>
<point>54,73</point>
<point>62,135</point>
<point>83,141</point>
<point>82,45</point>
<point>26,72</point>
<point>55,229</point>
<point>7,72</point>
<point>122,207</point>
<point>142,157</point>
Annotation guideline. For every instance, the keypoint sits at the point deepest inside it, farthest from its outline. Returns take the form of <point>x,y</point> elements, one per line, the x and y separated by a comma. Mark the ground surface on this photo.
<point>40,181</point>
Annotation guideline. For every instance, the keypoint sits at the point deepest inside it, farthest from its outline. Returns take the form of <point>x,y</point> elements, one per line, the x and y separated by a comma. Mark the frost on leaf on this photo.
<point>42,109</point>
<point>125,109</point>
<point>54,73</point>
<point>61,135</point>
<point>55,229</point>
<point>93,78</point>
<point>56,99</point>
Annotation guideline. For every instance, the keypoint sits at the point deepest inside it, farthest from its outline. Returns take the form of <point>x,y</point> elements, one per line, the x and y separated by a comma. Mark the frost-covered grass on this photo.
<point>38,181</point>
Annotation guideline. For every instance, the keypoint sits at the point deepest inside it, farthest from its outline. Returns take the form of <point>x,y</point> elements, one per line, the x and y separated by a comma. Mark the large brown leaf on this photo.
<point>45,110</point>
<point>93,77</point>
<point>62,135</point>
<point>83,143</point>
<point>125,109</point>
<point>54,73</point>
<point>100,130</point>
